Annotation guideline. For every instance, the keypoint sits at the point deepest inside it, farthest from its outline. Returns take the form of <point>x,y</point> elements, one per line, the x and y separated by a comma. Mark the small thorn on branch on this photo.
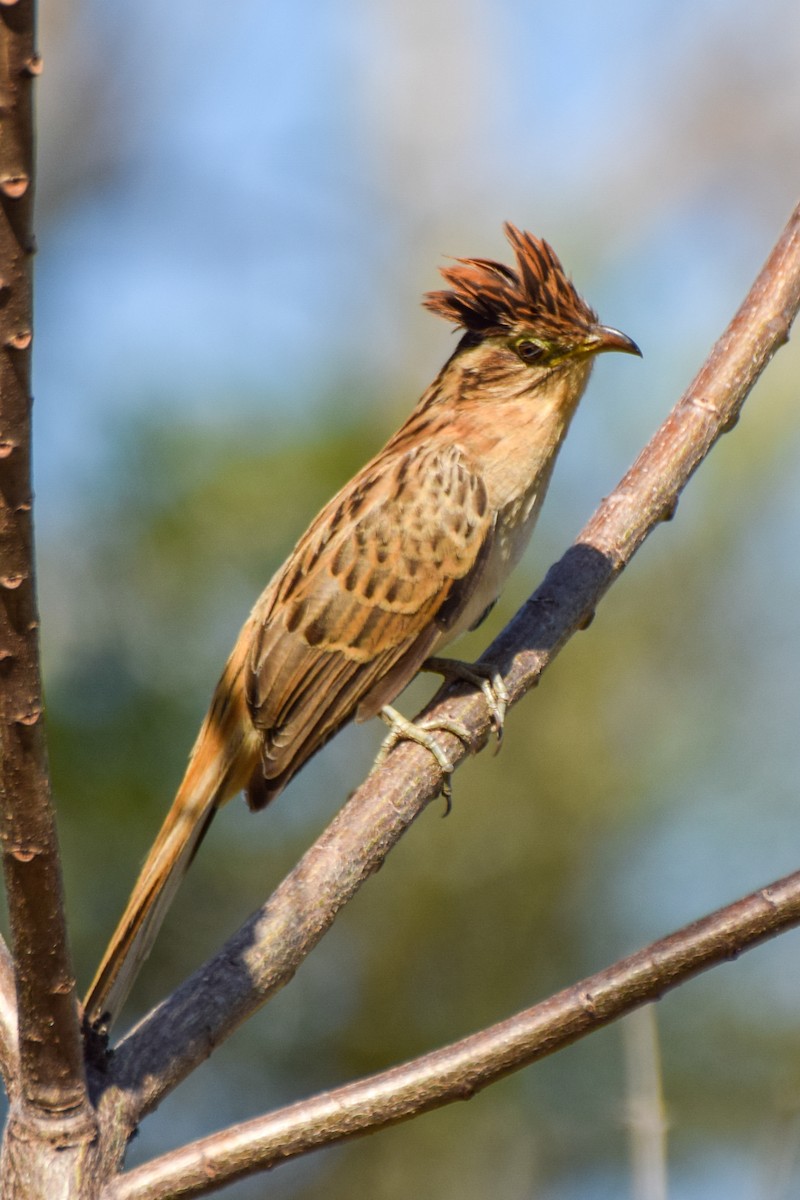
<point>14,186</point>
<point>24,854</point>
<point>22,339</point>
<point>588,1003</point>
<point>28,718</point>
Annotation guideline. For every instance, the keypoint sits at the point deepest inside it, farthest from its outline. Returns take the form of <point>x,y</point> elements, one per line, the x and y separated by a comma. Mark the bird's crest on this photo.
<point>493,300</point>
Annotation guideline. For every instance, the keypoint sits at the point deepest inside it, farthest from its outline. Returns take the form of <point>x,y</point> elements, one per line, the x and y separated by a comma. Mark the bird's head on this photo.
<point>522,326</point>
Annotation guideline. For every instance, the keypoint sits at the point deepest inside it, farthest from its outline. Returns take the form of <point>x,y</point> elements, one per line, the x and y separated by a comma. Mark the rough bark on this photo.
<point>50,1108</point>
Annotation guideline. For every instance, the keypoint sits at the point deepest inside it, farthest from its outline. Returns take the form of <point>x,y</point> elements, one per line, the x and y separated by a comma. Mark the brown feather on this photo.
<point>491,299</point>
<point>338,622</point>
<point>410,553</point>
<point>219,767</point>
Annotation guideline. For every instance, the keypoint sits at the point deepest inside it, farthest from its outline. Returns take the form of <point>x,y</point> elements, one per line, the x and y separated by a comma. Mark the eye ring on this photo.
<point>530,352</point>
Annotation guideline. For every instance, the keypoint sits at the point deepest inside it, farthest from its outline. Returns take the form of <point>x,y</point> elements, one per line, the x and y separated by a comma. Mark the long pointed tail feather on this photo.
<point>223,758</point>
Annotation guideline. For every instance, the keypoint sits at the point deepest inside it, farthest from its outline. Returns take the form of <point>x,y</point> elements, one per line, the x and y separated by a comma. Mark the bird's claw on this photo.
<point>401,729</point>
<point>484,676</point>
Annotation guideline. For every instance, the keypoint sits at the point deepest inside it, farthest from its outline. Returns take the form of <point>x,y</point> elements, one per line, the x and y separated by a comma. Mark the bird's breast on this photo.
<point>512,531</point>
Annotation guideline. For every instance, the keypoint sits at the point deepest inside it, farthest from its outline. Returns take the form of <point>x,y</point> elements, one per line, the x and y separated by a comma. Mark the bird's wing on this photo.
<point>375,584</point>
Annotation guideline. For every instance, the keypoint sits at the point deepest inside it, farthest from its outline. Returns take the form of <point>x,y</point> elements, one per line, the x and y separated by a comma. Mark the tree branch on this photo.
<point>52,1101</point>
<point>459,1071</point>
<point>267,950</point>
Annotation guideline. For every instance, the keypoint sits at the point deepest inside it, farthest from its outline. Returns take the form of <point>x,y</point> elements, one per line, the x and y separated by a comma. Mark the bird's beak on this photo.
<point>603,338</point>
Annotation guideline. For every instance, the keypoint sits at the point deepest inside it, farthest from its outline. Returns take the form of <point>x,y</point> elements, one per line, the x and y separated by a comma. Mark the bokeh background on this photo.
<point>239,207</point>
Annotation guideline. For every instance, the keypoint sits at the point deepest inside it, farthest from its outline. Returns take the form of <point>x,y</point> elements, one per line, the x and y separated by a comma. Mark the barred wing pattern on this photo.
<point>341,630</point>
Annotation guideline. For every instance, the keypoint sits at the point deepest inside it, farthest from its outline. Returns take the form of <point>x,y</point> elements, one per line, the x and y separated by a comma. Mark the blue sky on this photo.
<point>252,205</point>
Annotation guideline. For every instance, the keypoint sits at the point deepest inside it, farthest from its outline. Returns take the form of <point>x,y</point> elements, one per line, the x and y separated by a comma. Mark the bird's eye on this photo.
<point>530,352</point>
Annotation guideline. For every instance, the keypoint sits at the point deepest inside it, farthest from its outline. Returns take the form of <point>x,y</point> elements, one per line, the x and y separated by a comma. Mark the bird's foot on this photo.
<point>401,729</point>
<point>482,675</point>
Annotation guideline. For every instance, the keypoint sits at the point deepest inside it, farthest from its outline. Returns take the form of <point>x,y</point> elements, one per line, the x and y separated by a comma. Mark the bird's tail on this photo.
<point>221,763</point>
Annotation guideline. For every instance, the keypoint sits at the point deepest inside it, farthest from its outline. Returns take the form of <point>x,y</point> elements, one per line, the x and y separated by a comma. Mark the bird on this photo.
<point>409,554</point>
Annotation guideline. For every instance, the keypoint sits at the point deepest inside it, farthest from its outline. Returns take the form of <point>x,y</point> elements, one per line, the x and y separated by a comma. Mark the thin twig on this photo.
<point>647,1122</point>
<point>264,954</point>
<point>459,1071</point>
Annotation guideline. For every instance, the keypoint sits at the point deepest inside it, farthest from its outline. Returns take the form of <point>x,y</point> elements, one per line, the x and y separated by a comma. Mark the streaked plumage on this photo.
<point>408,555</point>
